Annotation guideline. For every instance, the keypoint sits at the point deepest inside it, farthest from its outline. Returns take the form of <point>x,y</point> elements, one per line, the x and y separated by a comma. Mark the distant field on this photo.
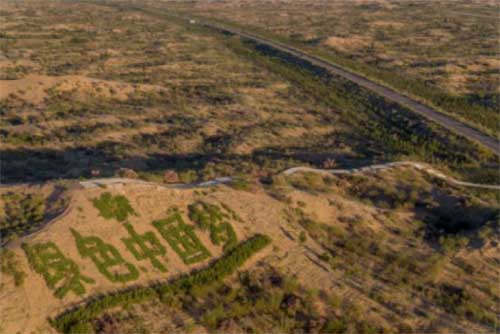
<point>89,89</point>
<point>446,53</point>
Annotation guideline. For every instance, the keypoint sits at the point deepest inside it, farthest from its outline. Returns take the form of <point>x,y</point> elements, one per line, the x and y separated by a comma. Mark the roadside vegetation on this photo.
<point>441,55</point>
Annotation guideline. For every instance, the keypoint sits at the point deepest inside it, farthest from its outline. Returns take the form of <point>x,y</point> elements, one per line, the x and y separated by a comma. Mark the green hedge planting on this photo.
<point>145,246</point>
<point>219,269</point>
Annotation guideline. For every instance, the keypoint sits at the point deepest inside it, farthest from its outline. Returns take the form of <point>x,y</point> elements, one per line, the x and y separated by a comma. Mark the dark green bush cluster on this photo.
<point>60,273</point>
<point>221,268</point>
<point>181,237</point>
<point>110,206</point>
<point>23,213</point>
<point>211,217</point>
<point>106,257</point>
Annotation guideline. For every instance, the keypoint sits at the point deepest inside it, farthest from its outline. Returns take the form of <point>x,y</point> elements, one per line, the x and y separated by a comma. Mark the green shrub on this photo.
<point>106,258</point>
<point>335,326</point>
<point>61,274</point>
<point>302,237</point>
<point>145,246</point>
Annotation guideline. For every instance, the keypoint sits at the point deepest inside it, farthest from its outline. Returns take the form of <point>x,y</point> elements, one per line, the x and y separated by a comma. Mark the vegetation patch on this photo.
<point>22,213</point>
<point>220,269</point>
<point>110,206</point>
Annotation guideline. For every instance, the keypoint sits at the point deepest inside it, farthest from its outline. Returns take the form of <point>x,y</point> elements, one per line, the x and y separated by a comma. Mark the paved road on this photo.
<point>417,107</point>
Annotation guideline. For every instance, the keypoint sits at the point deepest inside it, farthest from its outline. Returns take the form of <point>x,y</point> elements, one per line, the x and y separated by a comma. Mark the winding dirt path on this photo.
<point>301,169</point>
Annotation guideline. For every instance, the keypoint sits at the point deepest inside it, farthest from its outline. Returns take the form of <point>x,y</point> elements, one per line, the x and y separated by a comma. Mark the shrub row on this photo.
<point>221,268</point>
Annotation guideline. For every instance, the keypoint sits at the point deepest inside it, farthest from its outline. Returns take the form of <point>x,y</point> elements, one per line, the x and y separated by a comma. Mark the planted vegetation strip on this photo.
<point>221,268</point>
<point>145,246</point>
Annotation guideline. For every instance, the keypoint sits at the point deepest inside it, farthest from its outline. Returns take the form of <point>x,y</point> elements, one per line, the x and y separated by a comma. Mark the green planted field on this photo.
<point>106,258</point>
<point>181,238</point>
<point>145,246</point>
<point>211,217</point>
<point>110,206</point>
<point>60,273</point>
<point>220,269</point>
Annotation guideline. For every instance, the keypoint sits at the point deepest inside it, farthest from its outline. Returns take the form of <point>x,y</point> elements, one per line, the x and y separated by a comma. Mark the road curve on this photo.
<point>94,183</point>
<point>444,120</point>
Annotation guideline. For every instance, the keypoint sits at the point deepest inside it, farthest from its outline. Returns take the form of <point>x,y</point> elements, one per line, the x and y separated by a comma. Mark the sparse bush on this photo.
<point>22,213</point>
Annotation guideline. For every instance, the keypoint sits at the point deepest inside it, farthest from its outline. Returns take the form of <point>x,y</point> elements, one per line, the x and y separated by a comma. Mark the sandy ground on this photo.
<point>34,88</point>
